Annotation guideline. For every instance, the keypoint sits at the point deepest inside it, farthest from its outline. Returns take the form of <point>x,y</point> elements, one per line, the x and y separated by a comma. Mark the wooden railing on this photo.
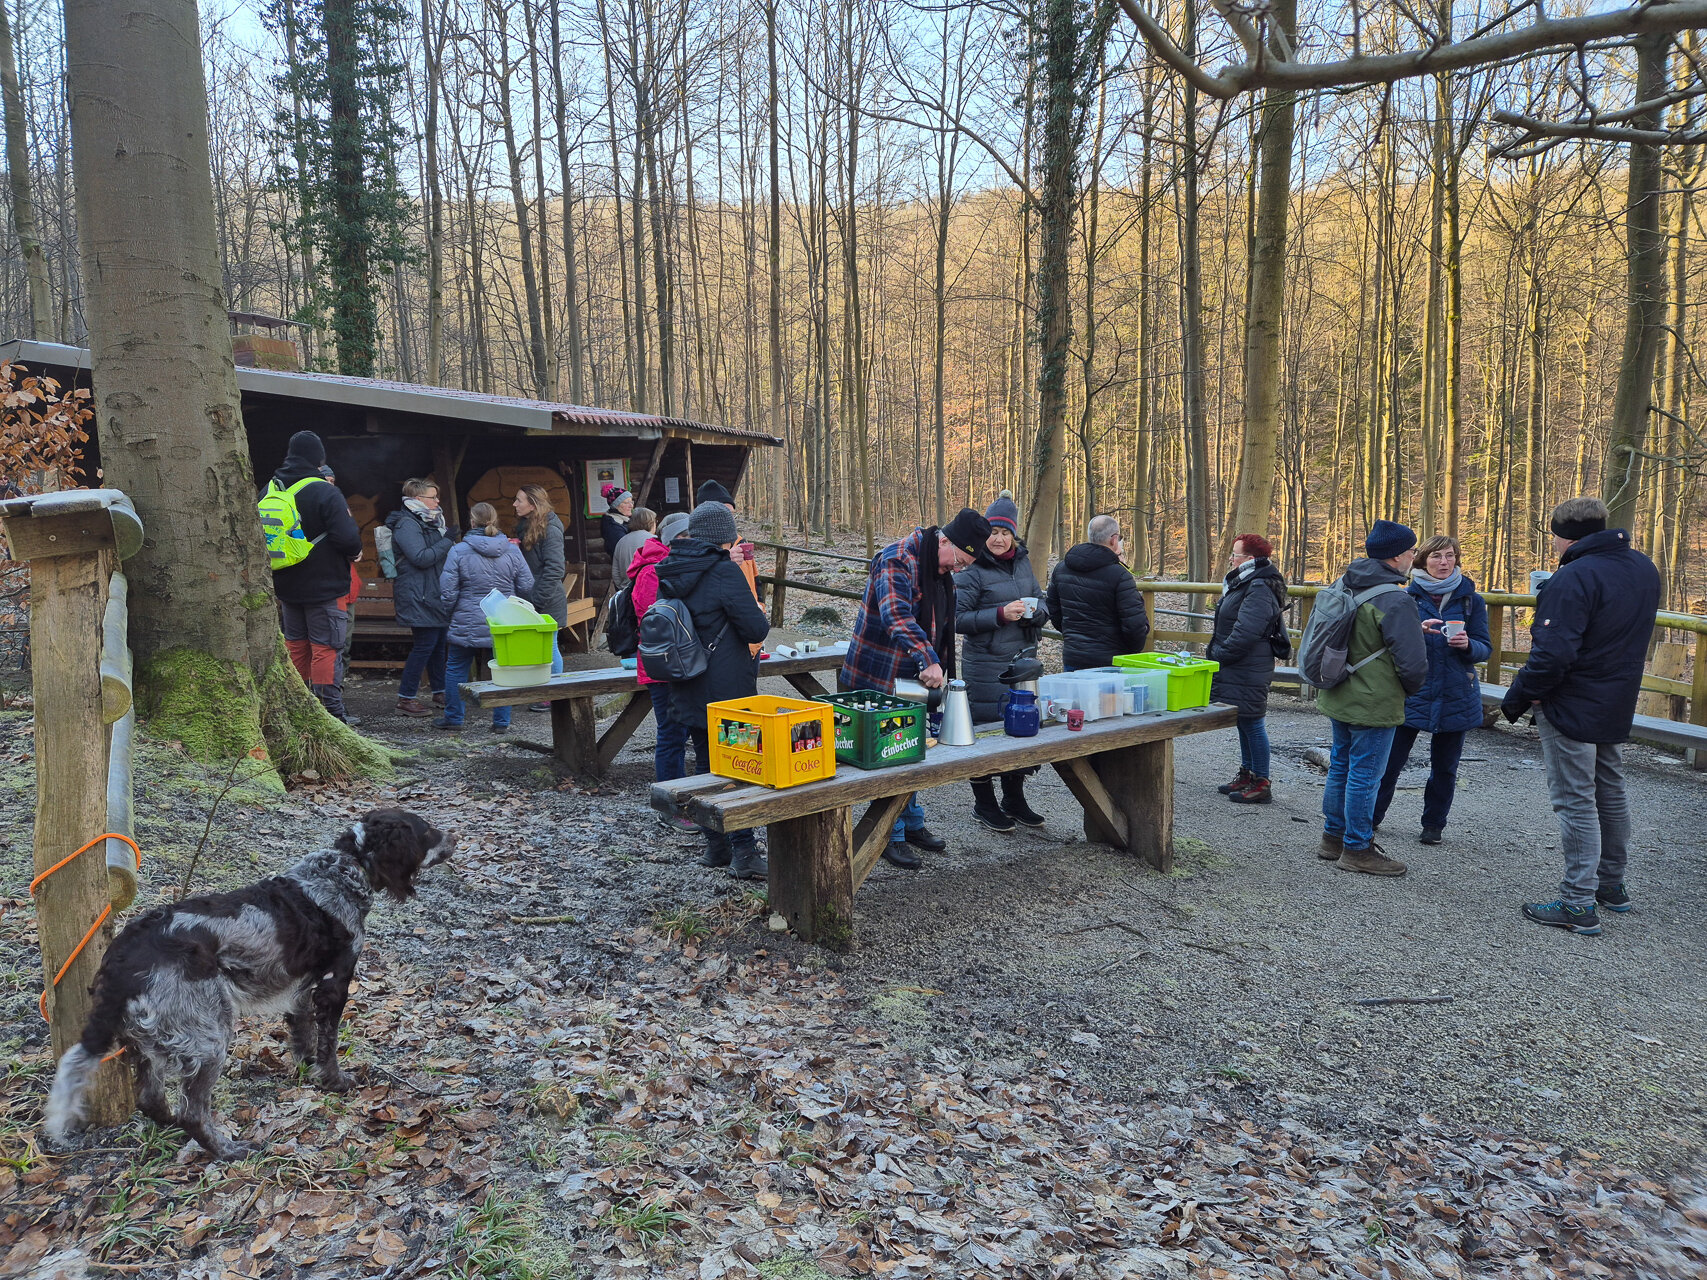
<point>1503,611</point>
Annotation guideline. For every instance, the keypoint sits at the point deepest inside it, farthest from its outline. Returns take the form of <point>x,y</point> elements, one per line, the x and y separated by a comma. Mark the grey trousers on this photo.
<point>1585,781</point>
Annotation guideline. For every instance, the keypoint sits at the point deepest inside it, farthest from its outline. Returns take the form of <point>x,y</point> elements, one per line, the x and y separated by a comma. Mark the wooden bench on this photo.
<point>573,696</point>
<point>1121,770</point>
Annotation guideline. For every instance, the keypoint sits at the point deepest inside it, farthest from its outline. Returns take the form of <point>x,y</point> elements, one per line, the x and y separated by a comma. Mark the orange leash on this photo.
<point>99,920</point>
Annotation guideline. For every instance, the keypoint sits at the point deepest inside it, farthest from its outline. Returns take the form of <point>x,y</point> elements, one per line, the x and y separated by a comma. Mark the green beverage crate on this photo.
<point>1188,677</point>
<point>876,730</point>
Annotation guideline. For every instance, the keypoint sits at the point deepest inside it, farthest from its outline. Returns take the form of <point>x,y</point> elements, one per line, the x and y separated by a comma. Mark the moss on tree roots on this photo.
<point>218,712</point>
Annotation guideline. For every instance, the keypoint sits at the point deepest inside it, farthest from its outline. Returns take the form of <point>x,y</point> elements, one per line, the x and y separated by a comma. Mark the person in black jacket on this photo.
<point>1247,635</point>
<point>727,619</point>
<point>1593,620</point>
<point>1095,602</point>
<point>309,591</point>
<point>613,524</point>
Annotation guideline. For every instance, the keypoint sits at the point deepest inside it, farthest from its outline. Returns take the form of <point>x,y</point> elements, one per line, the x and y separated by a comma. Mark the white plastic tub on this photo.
<point>538,673</point>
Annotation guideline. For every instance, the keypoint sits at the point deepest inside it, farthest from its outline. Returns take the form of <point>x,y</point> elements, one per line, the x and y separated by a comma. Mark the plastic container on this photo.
<point>1100,695</point>
<point>509,611</point>
<point>876,730</point>
<point>1188,677</point>
<point>533,673</point>
<point>524,645</point>
<point>775,742</point>
<point>1145,689</point>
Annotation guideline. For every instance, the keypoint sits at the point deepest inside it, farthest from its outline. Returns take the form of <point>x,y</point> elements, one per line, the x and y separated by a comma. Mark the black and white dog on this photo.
<point>174,982</point>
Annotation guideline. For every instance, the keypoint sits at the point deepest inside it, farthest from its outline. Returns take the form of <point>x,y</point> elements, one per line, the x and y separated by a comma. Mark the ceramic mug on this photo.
<point>1030,603</point>
<point>1075,719</point>
<point>1451,628</point>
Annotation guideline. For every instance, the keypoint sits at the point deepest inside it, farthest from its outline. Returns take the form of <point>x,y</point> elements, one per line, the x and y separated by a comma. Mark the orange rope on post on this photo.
<point>99,920</point>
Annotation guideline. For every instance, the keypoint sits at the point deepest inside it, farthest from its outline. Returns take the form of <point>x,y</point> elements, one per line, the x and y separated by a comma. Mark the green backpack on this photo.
<point>287,545</point>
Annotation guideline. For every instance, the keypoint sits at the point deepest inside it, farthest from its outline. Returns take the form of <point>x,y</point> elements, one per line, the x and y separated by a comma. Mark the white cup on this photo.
<point>1451,628</point>
<point>1030,603</point>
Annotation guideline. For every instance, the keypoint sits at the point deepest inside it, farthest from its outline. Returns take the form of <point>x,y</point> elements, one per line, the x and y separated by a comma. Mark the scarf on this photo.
<point>1438,586</point>
<point>1244,571</point>
<point>936,602</point>
<point>427,517</point>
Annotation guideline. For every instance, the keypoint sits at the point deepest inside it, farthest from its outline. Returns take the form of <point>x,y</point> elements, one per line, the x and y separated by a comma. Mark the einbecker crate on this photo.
<point>876,730</point>
<point>776,742</point>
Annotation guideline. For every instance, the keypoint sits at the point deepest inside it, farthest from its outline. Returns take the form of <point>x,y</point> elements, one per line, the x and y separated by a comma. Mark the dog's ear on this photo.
<point>391,846</point>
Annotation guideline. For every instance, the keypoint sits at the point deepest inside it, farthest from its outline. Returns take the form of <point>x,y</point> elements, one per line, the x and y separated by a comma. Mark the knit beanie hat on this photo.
<point>674,525</point>
<point>712,522</point>
<point>613,494</point>
<point>711,491</point>
<point>306,450</point>
<point>968,531</point>
<point>1388,538</point>
<point>1002,513</point>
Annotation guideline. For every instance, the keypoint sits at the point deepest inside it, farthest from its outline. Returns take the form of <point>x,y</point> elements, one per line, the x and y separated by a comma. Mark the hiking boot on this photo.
<point>1562,915</point>
<point>454,726</point>
<point>1372,861</point>
<point>1616,899</point>
<point>412,707</point>
<point>1240,781</point>
<point>749,864</point>
<point>675,822</point>
<point>1258,792</point>
<point>1013,802</point>
<point>499,728</point>
<point>1430,835</point>
<point>539,706</point>
<point>922,838</point>
<point>986,810</point>
<point>1332,847</point>
<point>439,698</point>
<point>901,856</point>
<point>718,857</point>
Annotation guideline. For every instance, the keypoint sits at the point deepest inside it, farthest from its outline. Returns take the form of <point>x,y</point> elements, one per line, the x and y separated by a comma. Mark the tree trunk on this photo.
<point>500,72</point>
<point>211,670</point>
<point>1644,314</point>
<point>355,318</point>
<point>432,45</point>
<point>773,253</point>
<point>571,267</point>
<point>1254,498</point>
<point>1191,335</point>
<point>42,327</point>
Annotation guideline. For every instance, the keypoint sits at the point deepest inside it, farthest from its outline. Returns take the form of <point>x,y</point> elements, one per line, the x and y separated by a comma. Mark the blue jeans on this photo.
<point>557,653</point>
<point>1253,746</point>
<point>911,819</point>
<point>1354,775</point>
<point>1443,752</point>
<point>670,755</point>
<point>457,667</point>
<point>427,655</point>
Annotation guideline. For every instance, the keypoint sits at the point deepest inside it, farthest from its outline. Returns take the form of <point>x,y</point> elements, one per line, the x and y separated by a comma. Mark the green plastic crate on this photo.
<point>1188,677</point>
<point>876,730</point>
<point>522,644</point>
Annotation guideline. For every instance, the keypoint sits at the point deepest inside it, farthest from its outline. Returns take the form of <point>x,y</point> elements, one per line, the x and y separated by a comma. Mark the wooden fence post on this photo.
<point>1698,695</point>
<point>1496,633</point>
<point>777,587</point>
<point>1149,598</point>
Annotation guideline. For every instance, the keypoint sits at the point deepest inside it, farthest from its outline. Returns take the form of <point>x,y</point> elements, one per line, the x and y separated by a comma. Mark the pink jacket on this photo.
<point>643,577</point>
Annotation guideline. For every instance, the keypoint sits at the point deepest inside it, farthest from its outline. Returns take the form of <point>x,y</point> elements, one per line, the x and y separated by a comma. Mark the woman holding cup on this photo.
<point>997,608</point>
<point>1449,705</point>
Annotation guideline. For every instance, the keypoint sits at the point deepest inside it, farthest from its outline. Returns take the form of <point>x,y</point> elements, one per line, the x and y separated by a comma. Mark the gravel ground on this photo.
<point>1242,968</point>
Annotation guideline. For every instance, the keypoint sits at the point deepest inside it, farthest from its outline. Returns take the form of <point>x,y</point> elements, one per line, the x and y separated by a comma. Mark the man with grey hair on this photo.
<point>1094,600</point>
<point>1588,642</point>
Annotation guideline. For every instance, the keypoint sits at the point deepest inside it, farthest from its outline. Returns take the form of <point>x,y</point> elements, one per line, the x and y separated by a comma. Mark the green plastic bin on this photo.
<point>876,730</point>
<point>1188,677</point>
<point>522,644</point>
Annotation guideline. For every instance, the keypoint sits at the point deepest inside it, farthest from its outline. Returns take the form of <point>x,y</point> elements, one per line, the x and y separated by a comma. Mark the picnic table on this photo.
<point>1121,770</point>
<point>574,695</point>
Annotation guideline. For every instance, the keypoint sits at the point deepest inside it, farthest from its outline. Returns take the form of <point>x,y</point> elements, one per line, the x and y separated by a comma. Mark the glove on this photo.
<point>1513,708</point>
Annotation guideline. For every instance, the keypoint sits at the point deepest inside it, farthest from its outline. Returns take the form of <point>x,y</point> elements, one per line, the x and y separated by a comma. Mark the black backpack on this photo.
<point>670,649</point>
<point>622,628</point>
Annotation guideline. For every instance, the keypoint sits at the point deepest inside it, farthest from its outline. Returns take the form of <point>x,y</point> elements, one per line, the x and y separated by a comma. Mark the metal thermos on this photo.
<point>1023,671</point>
<point>956,716</point>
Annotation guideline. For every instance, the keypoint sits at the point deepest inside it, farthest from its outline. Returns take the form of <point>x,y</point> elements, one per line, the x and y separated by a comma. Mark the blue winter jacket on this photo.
<point>1450,701</point>
<point>475,565</point>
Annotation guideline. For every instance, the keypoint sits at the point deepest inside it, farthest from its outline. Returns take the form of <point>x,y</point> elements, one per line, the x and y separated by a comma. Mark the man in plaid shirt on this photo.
<point>905,630</point>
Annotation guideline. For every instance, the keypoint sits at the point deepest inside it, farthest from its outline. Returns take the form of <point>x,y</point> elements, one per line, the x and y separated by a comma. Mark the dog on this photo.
<point>175,981</point>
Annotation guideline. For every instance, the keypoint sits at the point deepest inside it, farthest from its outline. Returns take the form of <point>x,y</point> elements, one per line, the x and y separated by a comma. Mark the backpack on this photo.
<point>669,648</point>
<point>384,547</point>
<point>1323,650</point>
<point>1279,641</point>
<point>622,628</point>
<point>287,545</point>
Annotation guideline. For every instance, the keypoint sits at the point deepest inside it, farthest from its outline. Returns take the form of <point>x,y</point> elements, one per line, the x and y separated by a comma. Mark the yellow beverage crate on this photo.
<point>776,742</point>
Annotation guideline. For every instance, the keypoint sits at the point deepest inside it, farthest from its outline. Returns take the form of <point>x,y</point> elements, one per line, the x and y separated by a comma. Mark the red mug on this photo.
<point>1075,719</point>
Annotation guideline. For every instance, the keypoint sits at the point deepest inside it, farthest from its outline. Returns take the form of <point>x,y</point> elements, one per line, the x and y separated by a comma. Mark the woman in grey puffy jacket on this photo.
<point>539,533</point>
<point>990,613</point>
<point>482,561</point>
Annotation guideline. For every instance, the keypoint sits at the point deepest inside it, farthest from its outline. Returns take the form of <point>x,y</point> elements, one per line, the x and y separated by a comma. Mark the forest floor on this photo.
<point>1040,1058</point>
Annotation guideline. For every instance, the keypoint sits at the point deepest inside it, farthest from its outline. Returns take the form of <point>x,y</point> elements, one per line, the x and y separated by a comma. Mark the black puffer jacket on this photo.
<point>1245,619</point>
<point>702,576</point>
<point>980,591</point>
<point>1096,604</point>
<point>1593,620</point>
<point>324,574</point>
<point>420,547</point>
<point>546,561</point>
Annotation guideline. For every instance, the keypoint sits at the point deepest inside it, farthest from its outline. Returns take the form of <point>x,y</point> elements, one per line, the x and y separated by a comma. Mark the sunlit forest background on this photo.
<point>575,205</point>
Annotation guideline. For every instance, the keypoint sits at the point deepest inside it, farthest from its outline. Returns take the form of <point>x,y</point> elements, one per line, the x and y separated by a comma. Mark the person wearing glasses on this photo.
<point>1248,634</point>
<point>1094,600</point>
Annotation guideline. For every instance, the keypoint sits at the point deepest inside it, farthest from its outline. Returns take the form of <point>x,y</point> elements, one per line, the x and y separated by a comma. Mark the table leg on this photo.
<point>806,684</point>
<point>636,709</point>
<point>1140,781</point>
<point>574,735</point>
<point>810,884</point>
